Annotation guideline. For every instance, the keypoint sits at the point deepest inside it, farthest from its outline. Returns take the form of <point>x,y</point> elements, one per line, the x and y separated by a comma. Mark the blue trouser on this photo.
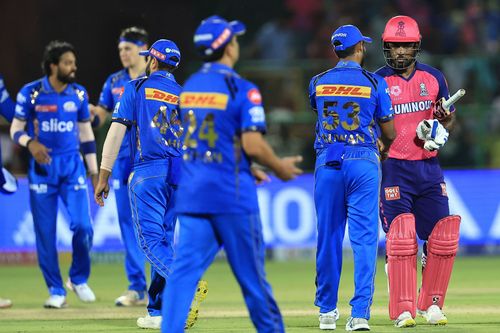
<point>134,259</point>
<point>152,202</point>
<point>415,187</point>
<point>349,193</point>
<point>65,177</point>
<point>200,238</point>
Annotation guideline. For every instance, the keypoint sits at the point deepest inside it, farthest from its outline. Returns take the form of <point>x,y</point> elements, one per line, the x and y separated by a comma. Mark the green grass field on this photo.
<point>472,304</point>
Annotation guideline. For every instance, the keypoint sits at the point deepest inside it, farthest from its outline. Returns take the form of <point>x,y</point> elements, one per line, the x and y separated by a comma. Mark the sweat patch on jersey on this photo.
<point>162,96</point>
<point>204,100</point>
<point>343,90</point>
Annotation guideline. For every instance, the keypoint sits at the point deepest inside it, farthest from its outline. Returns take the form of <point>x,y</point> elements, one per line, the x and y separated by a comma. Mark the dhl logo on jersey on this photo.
<point>343,90</point>
<point>161,96</point>
<point>204,100</point>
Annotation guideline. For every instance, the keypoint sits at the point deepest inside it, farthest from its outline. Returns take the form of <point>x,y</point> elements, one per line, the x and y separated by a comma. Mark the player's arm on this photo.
<point>385,118</point>
<point>387,137</point>
<point>101,111</point>
<point>88,146</point>
<point>258,149</point>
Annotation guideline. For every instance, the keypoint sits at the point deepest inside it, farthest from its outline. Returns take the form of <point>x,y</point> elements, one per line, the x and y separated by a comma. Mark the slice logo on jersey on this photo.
<point>46,108</point>
<point>444,193</point>
<point>396,90</point>
<point>343,90</point>
<point>70,106</point>
<point>117,91</point>
<point>254,96</point>
<point>54,125</point>
<point>423,90</point>
<point>392,193</point>
<point>162,96</point>
<point>204,100</point>
<point>401,29</point>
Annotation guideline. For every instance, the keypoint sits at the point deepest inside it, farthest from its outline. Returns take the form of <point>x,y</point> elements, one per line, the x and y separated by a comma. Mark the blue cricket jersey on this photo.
<point>51,116</point>
<point>349,101</point>
<point>149,108</point>
<point>110,95</point>
<point>217,106</point>
<point>7,105</point>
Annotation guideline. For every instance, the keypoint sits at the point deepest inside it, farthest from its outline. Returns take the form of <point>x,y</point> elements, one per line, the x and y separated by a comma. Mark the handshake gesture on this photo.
<point>432,133</point>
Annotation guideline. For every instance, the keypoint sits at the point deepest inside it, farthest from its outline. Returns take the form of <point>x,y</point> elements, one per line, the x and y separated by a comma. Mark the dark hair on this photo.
<point>215,56</point>
<point>344,53</point>
<point>167,67</point>
<point>53,52</point>
<point>136,34</point>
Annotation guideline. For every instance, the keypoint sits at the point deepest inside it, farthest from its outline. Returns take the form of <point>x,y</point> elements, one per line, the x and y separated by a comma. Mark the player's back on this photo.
<point>150,105</point>
<point>412,100</point>
<point>347,100</point>
<point>56,114</point>
<point>216,174</point>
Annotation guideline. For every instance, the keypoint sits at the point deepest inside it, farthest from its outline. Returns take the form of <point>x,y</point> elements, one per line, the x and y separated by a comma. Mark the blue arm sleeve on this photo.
<point>23,106</point>
<point>312,94</point>
<point>253,117</point>
<point>83,111</point>
<point>124,109</point>
<point>106,96</point>
<point>384,110</point>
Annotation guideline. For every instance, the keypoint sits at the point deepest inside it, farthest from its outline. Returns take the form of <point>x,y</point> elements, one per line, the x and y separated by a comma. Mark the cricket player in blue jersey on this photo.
<point>216,201</point>
<point>148,108</point>
<point>350,103</point>
<point>55,111</point>
<point>132,40</point>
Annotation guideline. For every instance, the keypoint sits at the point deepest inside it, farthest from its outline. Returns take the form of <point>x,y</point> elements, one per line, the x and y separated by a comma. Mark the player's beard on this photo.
<point>66,78</point>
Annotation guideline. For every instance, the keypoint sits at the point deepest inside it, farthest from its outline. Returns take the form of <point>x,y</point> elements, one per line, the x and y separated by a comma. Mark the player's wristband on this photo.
<point>88,147</point>
<point>22,138</point>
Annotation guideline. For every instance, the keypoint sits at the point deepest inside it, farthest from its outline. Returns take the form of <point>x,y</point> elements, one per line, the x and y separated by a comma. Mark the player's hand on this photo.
<point>101,190</point>
<point>95,180</point>
<point>383,151</point>
<point>439,111</point>
<point>39,152</point>
<point>260,176</point>
<point>288,168</point>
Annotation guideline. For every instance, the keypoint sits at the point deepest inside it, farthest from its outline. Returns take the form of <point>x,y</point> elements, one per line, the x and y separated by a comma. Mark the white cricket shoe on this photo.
<point>130,298</point>
<point>327,321</point>
<point>5,303</point>
<point>434,315</point>
<point>153,323</point>
<point>83,291</point>
<point>55,302</point>
<point>357,324</point>
<point>405,320</point>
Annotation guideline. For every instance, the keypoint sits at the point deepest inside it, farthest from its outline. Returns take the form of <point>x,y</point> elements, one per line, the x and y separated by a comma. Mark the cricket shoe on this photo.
<point>150,322</point>
<point>357,324</point>
<point>405,320</point>
<point>327,321</point>
<point>131,298</point>
<point>434,315</point>
<point>199,296</point>
<point>55,302</point>
<point>83,291</point>
<point>5,303</point>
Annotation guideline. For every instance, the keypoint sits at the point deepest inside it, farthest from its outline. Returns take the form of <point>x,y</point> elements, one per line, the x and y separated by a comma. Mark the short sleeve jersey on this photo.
<point>412,101</point>
<point>51,116</point>
<point>110,95</point>
<point>149,108</point>
<point>349,101</point>
<point>7,105</point>
<point>217,106</point>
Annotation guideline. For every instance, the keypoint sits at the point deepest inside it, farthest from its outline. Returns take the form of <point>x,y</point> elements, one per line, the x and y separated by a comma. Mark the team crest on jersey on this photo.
<point>444,193</point>
<point>70,106</point>
<point>395,90</point>
<point>161,96</point>
<point>423,90</point>
<point>254,96</point>
<point>392,193</point>
<point>401,29</point>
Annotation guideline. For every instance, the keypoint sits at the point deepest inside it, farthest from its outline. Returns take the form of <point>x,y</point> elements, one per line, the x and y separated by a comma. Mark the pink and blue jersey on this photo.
<point>413,101</point>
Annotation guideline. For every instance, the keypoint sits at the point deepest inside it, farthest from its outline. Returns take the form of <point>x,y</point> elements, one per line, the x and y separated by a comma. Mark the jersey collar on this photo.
<point>217,67</point>
<point>347,64</point>
<point>164,74</point>
<point>48,87</point>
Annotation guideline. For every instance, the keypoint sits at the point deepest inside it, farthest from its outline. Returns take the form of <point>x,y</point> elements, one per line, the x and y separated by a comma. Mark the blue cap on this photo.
<point>346,36</point>
<point>164,50</point>
<point>215,32</point>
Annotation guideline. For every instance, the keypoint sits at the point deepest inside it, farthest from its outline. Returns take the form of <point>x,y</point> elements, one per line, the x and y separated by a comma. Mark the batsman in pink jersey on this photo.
<point>413,195</point>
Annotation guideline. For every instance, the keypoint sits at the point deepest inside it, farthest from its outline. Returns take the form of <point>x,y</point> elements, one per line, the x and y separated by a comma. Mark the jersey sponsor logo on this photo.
<point>343,90</point>
<point>161,96</point>
<point>204,100</point>
<point>39,188</point>
<point>444,193</point>
<point>20,110</point>
<point>46,108</point>
<point>392,193</point>
<point>257,114</point>
<point>412,107</point>
<point>70,106</point>
<point>117,91</point>
<point>21,98</point>
<point>396,90</point>
<point>53,125</point>
<point>157,54</point>
<point>254,96</point>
